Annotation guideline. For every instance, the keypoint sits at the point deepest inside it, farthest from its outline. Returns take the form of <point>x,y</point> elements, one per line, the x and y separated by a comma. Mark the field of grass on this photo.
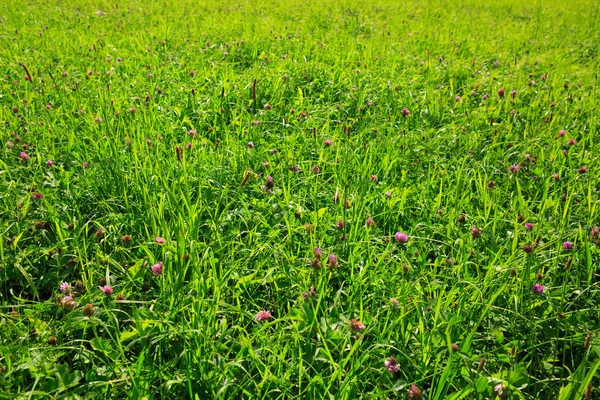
<point>300,199</point>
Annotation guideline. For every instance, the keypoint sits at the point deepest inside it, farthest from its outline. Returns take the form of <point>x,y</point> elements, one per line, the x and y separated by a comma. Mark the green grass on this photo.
<point>146,110</point>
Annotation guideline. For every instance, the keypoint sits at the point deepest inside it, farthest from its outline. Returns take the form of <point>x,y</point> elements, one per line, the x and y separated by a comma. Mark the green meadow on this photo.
<point>300,199</point>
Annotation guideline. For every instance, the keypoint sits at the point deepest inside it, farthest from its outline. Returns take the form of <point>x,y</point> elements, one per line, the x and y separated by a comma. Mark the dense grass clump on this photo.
<point>374,199</point>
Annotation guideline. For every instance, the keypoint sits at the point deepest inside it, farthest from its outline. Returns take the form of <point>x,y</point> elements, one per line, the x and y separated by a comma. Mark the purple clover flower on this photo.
<point>391,364</point>
<point>537,288</point>
<point>264,315</point>
<point>157,269</point>
<point>401,237</point>
<point>567,245</point>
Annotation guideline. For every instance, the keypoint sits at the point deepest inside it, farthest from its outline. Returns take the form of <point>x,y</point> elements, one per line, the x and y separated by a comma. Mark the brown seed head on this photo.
<point>88,310</point>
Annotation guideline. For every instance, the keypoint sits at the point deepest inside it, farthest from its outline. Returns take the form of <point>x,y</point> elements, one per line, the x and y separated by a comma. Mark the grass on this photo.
<point>403,112</point>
